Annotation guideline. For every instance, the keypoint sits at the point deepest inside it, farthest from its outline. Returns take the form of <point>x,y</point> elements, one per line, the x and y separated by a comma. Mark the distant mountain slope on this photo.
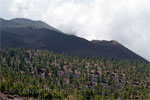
<point>9,24</point>
<point>22,22</point>
<point>36,24</point>
<point>58,42</point>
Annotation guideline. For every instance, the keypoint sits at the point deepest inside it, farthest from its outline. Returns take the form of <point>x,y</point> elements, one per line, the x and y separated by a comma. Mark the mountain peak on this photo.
<point>33,23</point>
<point>23,22</point>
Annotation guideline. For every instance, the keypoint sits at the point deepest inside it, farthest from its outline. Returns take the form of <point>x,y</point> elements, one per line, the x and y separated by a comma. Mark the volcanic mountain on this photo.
<point>27,33</point>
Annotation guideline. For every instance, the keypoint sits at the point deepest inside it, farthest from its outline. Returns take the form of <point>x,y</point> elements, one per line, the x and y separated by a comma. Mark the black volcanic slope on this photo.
<point>58,42</point>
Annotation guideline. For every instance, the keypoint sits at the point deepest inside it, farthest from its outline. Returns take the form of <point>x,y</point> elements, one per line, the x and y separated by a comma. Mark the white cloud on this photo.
<point>126,21</point>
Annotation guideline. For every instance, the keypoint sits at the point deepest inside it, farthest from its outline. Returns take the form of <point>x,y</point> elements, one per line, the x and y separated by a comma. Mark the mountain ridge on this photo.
<point>59,42</point>
<point>23,22</point>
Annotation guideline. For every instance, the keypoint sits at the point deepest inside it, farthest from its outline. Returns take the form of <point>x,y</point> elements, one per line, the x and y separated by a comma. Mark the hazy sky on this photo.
<point>127,21</point>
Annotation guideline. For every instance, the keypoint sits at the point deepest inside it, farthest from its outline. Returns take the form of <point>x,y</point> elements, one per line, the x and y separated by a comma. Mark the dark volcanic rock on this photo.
<point>35,36</point>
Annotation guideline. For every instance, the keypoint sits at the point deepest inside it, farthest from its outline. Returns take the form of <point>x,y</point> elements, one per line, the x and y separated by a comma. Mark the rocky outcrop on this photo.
<point>7,96</point>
